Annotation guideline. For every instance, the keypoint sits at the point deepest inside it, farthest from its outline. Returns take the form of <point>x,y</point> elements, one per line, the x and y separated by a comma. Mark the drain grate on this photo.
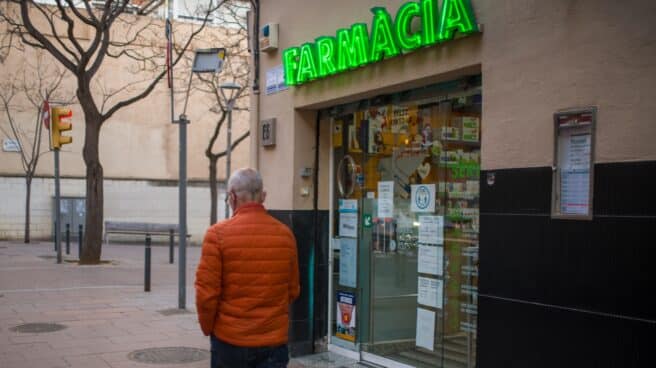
<point>173,312</point>
<point>38,327</point>
<point>169,355</point>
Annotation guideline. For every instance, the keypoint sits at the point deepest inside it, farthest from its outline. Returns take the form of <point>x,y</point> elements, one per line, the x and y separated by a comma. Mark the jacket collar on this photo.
<point>249,208</point>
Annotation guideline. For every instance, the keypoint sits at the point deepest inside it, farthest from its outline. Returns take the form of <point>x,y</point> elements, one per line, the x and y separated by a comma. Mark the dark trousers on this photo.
<point>225,355</point>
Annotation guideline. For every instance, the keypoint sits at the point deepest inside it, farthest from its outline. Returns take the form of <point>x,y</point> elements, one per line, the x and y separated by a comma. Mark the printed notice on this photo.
<point>431,230</point>
<point>429,259</point>
<point>348,262</point>
<point>575,176</point>
<point>385,199</point>
<point>429,292</point>
<point>425,329</point>
<point>348,218</point>
<point>422,198</point>
<point>345,316</point>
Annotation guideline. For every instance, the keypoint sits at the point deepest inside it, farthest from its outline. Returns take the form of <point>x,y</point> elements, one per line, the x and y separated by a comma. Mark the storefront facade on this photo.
<point>461,177</point>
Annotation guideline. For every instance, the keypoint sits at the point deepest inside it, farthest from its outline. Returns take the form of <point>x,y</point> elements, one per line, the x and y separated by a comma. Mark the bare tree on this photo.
<point>38,83</point>
<point>81,36</point>
<point>236,70</point>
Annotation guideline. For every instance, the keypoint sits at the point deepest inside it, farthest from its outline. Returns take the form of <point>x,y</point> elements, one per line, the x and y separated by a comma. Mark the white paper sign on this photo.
<point>275,80</point>
<point>10,145</point>
<point>348,262</point>
<point>348,224</point>
<point>429,259</point>
<point>348,218</point>
<point>429,292</point>
<point>422,198</point>
<point>431,230</point>
<point>385,199</point>
<point>425,329</point>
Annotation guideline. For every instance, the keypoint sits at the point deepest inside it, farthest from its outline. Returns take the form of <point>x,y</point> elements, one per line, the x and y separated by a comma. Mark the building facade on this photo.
<point>139,146</point>
<point>468,181</point>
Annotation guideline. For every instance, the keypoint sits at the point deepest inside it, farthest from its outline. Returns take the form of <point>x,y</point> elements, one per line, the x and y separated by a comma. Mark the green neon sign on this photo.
<point>355,47</point>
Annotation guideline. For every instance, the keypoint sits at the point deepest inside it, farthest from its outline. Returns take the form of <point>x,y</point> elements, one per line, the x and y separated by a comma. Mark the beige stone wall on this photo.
<point>536,57</point>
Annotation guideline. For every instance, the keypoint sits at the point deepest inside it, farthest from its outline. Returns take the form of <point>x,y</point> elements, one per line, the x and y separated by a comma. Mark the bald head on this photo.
<point>245,185</point>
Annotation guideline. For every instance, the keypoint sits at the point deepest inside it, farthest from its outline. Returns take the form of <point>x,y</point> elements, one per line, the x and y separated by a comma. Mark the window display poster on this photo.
<point>385,199</point>
<point>348,218</point>
<point>430,260</point>
<point>345,316</point>
<point>348,262</point>
<point>337,133</point>
<point>377,117</point>
<point>431,230</point>
<point>422,198</point>
<point>425,337</point>
<point>400,119</point>
<point>429,292</point>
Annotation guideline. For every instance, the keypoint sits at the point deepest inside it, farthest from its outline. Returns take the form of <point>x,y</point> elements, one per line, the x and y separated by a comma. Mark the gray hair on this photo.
<point>245,181</point>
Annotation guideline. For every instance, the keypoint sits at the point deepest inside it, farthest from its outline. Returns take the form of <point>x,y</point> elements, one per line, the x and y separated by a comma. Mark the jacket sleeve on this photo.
<point>208,282</point>
<point>294,283</point>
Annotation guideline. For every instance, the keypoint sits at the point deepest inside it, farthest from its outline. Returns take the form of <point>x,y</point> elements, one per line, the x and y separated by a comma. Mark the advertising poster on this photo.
<point>470,128</point>
<point>422,198</point>
<point>345,316</point>
<point>425,329</point>
<point>377,117</point>
<point>385,199</point>
<point>348,258</point>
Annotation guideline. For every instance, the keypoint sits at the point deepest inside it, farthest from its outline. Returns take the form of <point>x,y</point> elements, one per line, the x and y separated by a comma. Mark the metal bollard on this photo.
<point>68,239</point>
<point>171,237</point>
<point>54,226</point>
<point>79,242</point>
<point>147,265</point>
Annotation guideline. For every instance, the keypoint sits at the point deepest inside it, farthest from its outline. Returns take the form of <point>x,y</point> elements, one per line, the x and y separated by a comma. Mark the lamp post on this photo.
<point>205,61</point>
<point>229,92</point>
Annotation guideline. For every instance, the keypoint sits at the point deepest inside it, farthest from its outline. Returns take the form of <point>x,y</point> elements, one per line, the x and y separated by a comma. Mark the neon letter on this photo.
<point>382,39</point>
<point>457,15</point>
<point>290,62</point>
<point>307,67</point>
<point>428,22</point>
<point>352,47</point>
<point>402,26</point>
<point>326,56</point>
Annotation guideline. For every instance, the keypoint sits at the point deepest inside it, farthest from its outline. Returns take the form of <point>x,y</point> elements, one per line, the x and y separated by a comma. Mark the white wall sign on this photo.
<point>422,197</point>
<point>275,80</point>
<point>10,145</point>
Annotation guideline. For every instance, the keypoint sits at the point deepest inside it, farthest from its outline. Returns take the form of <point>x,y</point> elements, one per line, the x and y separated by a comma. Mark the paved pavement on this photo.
<point>106,313</point>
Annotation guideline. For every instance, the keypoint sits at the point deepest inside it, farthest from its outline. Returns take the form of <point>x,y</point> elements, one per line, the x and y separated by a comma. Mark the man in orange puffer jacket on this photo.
<point>246,279</point>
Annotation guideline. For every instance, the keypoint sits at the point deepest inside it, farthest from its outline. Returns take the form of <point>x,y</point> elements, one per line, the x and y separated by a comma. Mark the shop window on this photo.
<point>573,166</point>
<point>406,224</point>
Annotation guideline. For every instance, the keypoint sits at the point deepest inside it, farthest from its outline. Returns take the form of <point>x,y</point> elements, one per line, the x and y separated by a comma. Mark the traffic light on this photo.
<point>58,126</point>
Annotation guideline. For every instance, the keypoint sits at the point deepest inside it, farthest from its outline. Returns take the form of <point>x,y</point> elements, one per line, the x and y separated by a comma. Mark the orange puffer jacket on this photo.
<point>246,279</point>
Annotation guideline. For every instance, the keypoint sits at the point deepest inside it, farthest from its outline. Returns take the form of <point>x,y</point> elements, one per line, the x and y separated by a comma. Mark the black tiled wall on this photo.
<point>301,222</point>
<point>561,292</point>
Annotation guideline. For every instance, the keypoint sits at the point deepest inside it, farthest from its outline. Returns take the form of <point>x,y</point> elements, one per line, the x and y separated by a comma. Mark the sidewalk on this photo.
<point>107,318</point>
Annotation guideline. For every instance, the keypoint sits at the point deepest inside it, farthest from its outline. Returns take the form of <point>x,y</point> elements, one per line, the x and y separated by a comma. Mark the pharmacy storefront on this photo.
<point>436,143</point>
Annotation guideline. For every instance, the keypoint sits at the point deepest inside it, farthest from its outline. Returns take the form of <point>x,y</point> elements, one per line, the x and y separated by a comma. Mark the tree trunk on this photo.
<point>92,245</point>
<point>213,191</point>
<point>28,191</point>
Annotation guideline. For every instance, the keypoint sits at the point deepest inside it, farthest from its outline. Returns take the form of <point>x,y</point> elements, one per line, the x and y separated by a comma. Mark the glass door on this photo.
<point>405,250</point>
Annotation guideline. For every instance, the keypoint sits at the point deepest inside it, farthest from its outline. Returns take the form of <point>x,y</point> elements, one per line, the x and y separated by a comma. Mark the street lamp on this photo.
<point>229,92</point>
<point>205,61</point>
